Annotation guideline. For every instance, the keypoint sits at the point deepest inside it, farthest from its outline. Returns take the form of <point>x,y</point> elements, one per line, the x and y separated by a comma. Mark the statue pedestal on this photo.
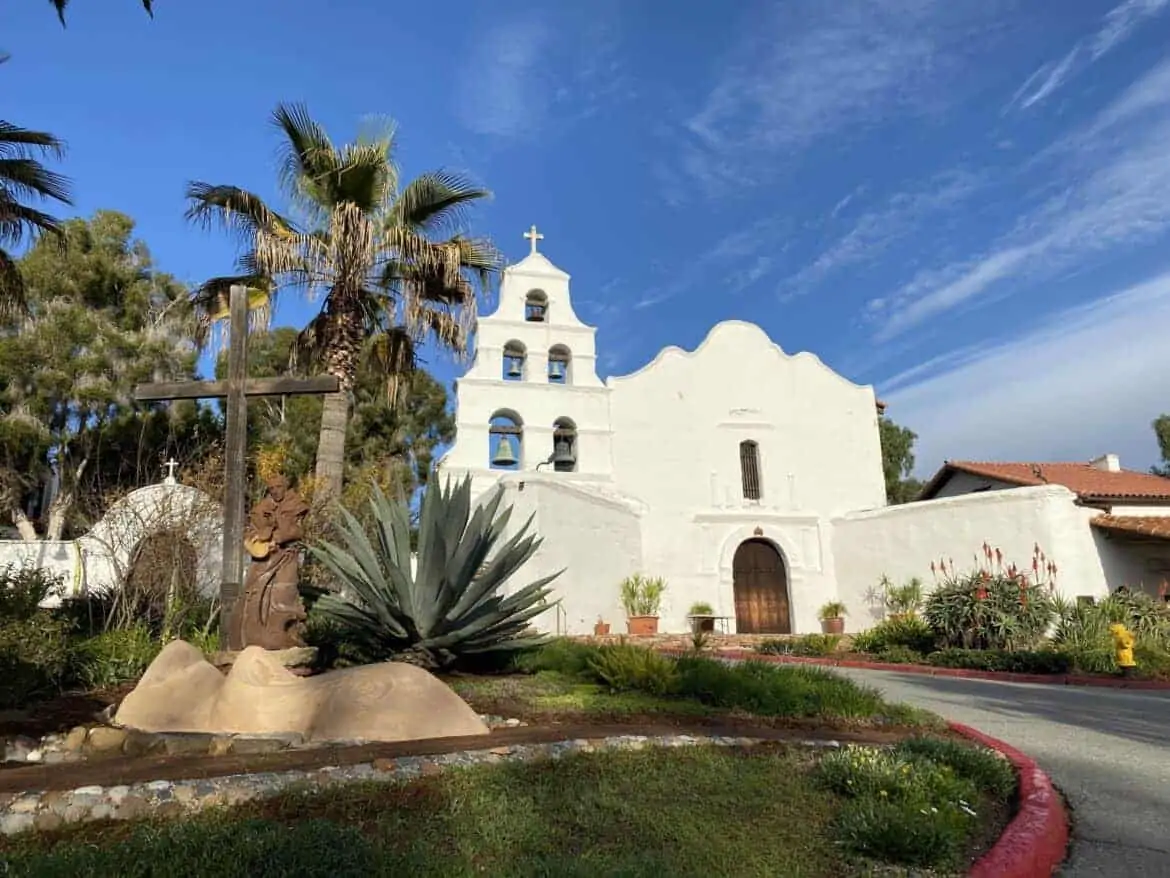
<point>297,659</point>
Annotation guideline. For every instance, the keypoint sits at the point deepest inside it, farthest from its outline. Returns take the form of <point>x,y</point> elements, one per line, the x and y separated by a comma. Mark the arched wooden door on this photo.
<point>761,589</point>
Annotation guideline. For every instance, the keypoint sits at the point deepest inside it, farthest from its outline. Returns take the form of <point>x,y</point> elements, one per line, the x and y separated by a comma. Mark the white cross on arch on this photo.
<point>533,236</point>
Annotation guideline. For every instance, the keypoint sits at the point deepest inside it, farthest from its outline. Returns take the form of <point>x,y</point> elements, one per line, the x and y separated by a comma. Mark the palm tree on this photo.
<point>62,5</point>
<point>388,261</point>
<point>22,176</point>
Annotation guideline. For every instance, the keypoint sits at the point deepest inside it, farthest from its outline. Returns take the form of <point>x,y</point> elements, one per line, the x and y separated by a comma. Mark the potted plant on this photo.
<point>832,616</point>
<point>600,627</point>
<point>902,601</point>
<point>641,599</point>
<point>702,608</point>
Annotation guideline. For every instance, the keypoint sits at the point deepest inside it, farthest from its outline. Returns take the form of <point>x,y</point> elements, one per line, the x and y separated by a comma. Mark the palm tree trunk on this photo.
<point>331,446</point>
<point>345,346</point>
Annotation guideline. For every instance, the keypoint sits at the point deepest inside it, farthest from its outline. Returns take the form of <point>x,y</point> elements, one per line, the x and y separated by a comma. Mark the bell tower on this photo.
<point>531,397</point>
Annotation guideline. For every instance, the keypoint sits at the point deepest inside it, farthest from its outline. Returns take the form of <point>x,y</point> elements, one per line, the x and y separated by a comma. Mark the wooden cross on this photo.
<point>236,390</point>
<point>533,236</point>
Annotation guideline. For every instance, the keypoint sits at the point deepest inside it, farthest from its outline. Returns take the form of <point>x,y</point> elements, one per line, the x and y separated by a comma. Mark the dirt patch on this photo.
<point>60,714</point>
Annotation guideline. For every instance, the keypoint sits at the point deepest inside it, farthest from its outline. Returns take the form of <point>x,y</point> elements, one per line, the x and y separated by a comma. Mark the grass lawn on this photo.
<point>698,811</point>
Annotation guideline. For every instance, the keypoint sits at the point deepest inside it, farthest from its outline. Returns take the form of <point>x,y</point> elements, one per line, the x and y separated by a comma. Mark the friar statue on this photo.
<point>269,613</point>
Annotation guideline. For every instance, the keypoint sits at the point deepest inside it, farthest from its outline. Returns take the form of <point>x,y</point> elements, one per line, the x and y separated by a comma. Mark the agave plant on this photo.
<point>451,605</point>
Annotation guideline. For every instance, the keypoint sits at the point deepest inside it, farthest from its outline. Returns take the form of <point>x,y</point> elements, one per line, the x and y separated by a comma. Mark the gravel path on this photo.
<point>1107,749</point>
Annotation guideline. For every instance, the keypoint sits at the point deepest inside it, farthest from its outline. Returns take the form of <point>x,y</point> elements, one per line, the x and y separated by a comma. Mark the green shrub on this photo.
<point>906,806</point>
<point>113,657</point>
<point>569,657</point>
<point>23,589</point>
<point>817,645</point>
<point>454,603</point>
<point>985,768</point>
<point>34,659</point>
<point>702,608</point>
<point>905,832</point>
<point>627,668</point>
<point>909,632</point>
<point>771,690</point>
<point>1042,661</point>
<point>900,655</point>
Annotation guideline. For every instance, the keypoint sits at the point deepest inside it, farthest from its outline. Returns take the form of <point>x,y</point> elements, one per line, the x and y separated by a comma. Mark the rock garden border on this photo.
<point>1032,846</point>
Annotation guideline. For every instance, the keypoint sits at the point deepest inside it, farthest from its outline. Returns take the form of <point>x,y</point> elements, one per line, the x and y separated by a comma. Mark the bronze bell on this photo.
<point>556,370</point>
<point>515,367</point>
<point>563,453</point>
<point>505,453</point>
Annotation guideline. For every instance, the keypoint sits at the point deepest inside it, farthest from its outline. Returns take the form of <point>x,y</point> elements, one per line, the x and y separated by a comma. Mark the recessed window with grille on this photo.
<point>749,469</point>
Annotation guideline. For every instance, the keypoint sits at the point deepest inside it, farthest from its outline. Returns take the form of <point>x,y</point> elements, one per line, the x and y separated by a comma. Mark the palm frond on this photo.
<point>28,178</point>
<point>17,219</point>
<point>212,303</point>
<point>17,142</point>
<point>306,158</point>
<point>435,201</point>
<point>270,239</point>
<point>62,5</point>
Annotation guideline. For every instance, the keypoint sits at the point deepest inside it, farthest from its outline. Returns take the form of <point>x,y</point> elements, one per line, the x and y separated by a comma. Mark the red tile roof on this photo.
<point>1088,482</point>
<point>1154,526</point>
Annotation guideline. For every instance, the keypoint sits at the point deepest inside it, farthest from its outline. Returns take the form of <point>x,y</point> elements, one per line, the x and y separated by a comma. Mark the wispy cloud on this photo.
<point>1119,23</point>
<point>737,257</point>
<point>1089,382</point>
<point>497,93</point>
<point>807,69</point>
<point>524,73</point>
<point>875,230</point>
<point>1114,193</point>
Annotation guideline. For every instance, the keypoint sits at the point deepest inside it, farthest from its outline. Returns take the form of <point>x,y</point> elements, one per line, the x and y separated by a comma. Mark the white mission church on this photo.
<point>749,478</point>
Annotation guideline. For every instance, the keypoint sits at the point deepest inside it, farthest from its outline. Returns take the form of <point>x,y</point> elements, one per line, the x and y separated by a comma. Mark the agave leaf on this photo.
<point>469,555</point>
<point>507,561</point>
<point>393,528</point>
<point>488,627</point>
<point>358,618</point>
<point>349,573</point>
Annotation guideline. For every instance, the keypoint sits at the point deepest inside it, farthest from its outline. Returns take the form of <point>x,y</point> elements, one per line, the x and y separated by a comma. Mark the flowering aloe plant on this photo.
<point>451,605</point>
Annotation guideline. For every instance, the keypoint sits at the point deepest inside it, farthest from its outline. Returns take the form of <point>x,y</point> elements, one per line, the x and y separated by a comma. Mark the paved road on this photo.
<point>1107,749</point>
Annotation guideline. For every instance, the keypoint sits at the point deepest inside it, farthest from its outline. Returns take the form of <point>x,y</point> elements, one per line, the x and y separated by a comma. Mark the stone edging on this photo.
<point>1034,844</point>
<point>930,670</point>
<point>52,809</point>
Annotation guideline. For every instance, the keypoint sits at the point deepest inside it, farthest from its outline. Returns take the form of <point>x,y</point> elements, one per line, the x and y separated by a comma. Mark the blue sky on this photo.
<point>962,202</point>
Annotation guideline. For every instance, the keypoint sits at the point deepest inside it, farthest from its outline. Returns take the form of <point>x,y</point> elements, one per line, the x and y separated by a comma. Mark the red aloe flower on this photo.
<point>981,594</point>
<point>999,557</point>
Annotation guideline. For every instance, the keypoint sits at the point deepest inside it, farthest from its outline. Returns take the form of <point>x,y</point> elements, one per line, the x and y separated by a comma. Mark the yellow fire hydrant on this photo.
<point>1123,648</point>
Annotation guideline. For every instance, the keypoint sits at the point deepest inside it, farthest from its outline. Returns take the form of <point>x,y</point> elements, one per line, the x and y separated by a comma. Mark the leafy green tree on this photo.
<point>24,177</point>
<point>389,260</point>
<point>1162,433</point>
<point>898,461</point>
<point>395,443</point>
<point>99,319</point>
<point>62,5</point>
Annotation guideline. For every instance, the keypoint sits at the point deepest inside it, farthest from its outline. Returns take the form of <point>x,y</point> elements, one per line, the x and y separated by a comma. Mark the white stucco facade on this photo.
<point>658,482</point>
<point>99,560</point>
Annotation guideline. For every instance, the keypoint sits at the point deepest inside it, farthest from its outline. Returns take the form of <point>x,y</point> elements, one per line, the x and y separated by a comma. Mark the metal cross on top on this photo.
<point>533,236</point>
<point>236,391</point>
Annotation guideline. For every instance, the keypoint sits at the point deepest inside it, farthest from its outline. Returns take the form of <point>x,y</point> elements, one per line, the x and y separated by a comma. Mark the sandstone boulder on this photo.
<point>182,692</point>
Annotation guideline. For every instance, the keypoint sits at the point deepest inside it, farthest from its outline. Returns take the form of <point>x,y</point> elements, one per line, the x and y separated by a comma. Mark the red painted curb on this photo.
<point>1034,843</point>
<point>963,673</point>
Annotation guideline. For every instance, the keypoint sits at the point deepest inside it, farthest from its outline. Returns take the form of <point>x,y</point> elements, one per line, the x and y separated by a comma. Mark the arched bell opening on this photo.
<point>515,358</point>
<point>506,441</point>
<point>536,307</point>
<point>560,364</point>
<point>564,456</point>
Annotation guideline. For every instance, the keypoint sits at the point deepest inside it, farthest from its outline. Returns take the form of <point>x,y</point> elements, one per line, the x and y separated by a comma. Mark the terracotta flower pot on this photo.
<point>642,625</point>
<point>600,629</point>
<point>833,626</point>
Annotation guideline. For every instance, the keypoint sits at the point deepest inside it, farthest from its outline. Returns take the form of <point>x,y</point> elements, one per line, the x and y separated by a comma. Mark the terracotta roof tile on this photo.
<point>1086,481</point>
<point>1141,525</point>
